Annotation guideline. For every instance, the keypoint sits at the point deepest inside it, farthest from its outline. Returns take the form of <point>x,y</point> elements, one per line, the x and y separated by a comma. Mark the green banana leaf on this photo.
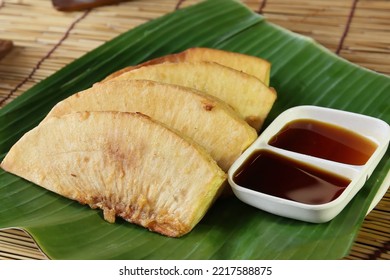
<point>303,73</point>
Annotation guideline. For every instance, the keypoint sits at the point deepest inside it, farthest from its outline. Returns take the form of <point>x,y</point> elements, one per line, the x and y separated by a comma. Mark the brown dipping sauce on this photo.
<point>272,174</point>
<point>325,141</point>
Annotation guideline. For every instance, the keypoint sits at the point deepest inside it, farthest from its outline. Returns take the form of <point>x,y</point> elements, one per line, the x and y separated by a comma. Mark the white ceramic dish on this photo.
<point>376,130</point>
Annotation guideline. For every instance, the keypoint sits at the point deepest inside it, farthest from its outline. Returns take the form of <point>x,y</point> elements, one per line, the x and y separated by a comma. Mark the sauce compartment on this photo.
<point>303,166</point>
<point>324,140</point>
<point>288,178</point>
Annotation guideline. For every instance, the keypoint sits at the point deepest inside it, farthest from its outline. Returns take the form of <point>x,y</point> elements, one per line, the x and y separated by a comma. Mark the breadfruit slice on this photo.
<point>124,163</point>
<point>251,65</point>
<point>203,118</point>
<point>245,93</point>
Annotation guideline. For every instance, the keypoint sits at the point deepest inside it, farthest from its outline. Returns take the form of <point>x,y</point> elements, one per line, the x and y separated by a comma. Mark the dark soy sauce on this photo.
<point>276,175</point>
<point>325,141</point>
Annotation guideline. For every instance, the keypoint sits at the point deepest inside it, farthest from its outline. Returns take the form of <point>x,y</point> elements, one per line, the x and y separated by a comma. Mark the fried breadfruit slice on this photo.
<point>251,65</point>
<point>203,118</point>
<point>124,163</point>
<point>245,93</point>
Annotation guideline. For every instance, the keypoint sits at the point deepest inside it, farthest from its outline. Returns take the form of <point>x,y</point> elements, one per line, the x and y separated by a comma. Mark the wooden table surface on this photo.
<point>45,40</point>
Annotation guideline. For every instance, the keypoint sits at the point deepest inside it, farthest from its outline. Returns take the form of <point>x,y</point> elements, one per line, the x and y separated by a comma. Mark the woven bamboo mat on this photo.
<point>46,40</point>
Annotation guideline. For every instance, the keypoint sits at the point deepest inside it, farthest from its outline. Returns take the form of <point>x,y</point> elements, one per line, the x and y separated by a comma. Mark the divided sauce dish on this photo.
<point>347,176</point>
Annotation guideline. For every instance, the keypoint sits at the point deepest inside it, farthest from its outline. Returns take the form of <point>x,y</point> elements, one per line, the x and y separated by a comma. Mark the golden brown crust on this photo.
<point>203,118</point>
<point>126,164</point>
<point>243,92</point>
<point>251,65</point>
